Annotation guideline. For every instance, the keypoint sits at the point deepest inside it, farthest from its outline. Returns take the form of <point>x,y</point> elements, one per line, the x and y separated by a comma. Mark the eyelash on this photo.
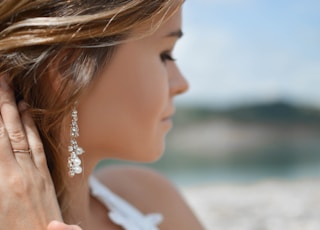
<point>167,56</point>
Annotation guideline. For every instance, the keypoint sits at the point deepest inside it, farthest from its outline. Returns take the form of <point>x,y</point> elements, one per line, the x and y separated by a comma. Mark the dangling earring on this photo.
<point>74,162</point>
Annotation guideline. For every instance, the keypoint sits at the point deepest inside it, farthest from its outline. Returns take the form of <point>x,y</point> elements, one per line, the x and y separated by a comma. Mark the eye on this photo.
<point>166,56</point>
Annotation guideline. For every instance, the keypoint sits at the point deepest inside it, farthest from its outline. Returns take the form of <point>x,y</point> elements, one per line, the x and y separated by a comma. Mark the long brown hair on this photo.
<point>75,37</point>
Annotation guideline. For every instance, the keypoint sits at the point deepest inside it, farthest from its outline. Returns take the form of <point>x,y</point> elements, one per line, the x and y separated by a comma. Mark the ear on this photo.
<point>54,72</point>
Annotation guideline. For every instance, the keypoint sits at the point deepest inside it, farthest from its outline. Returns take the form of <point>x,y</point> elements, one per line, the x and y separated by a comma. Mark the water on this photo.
<point>189,170</point>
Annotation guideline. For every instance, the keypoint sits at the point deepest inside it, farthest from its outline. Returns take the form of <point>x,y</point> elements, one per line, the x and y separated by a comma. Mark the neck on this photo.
<point>78,199</point>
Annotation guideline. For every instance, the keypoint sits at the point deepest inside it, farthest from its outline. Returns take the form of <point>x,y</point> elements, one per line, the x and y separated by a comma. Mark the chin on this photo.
<point>154,157</point>
<point>149,155</point>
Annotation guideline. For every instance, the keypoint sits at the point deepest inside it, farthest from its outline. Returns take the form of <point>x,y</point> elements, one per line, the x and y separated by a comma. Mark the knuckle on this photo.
<point>38,147</point>
<point>6,102</point>
<point>2,131</point>
<point>41,162</point>
<point>5,99</point>
<point>18,186</point>
<point>44,184</point>
<point>16,135</point>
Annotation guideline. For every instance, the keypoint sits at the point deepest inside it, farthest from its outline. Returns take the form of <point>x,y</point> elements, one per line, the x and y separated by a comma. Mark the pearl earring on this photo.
<point>74,162</point>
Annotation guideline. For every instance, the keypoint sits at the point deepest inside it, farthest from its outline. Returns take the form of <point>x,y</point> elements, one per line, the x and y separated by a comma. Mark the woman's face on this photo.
<point>127,112</point>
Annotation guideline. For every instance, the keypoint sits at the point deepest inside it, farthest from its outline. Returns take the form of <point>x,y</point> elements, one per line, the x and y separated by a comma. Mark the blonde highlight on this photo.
<point>38,34</point>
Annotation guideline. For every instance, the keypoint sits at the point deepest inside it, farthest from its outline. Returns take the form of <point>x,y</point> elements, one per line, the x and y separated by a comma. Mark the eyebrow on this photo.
<point>177,33</point>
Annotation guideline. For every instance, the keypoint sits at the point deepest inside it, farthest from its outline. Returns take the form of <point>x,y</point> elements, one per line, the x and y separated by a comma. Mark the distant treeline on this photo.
<point>284,156</point>
<point>273,112</point>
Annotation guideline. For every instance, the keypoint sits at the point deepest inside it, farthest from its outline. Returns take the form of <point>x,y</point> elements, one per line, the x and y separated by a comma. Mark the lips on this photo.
<point>169,116</point>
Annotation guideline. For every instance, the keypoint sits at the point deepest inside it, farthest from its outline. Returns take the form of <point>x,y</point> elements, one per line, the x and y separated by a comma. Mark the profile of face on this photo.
<point>127,111</point>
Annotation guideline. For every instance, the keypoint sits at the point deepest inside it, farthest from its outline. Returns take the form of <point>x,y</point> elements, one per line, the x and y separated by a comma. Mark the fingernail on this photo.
<point>4,84</point>
<point>22,106</point>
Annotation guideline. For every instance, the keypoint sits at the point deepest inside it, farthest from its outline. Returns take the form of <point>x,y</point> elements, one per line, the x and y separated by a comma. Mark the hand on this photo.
<point>56,225</point>
<point>28,199</point>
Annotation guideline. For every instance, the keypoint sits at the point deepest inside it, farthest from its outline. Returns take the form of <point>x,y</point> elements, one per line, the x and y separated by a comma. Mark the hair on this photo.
<point>73,38</point>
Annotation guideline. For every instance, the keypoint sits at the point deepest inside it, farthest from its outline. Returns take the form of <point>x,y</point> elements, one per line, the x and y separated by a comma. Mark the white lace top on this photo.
<point>121,212</point>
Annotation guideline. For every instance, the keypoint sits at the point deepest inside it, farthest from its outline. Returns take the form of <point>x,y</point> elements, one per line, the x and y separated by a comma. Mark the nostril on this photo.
<point>184,86</point>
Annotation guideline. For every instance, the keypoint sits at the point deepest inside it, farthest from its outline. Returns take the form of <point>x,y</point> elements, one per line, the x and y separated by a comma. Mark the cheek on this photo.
<point>124,111</point>
<point>148,91</point>
<point>143,98</point>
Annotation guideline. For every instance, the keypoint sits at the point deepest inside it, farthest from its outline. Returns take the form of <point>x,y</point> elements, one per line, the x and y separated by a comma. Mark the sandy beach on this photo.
<point>267,205</point>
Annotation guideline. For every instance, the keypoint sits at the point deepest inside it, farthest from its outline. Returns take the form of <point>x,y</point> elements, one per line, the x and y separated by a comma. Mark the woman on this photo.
<point>105,69</point>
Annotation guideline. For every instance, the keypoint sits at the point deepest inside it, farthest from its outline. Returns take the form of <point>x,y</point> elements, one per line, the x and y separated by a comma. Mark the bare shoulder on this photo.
<point>150,192</point>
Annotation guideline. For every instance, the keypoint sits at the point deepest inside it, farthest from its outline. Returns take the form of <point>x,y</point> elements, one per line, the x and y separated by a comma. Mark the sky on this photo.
<point>237,52</point>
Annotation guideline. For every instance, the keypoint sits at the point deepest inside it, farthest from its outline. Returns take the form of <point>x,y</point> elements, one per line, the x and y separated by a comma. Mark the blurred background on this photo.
<point>245,145</point>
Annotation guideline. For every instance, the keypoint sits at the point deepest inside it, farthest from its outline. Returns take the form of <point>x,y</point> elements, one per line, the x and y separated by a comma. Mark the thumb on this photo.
<point>56,225</point>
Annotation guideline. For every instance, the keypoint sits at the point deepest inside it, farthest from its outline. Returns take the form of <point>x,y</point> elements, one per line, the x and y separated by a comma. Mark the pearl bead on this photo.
<point>80,151</point>
<point>77,162</point>
<point>77,169</point>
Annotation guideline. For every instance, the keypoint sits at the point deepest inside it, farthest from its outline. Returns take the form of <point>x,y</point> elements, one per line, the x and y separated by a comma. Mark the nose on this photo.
<point>177,82</point>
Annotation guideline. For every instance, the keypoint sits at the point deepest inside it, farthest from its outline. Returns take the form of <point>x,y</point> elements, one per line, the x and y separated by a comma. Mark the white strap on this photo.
<point>121,212</point>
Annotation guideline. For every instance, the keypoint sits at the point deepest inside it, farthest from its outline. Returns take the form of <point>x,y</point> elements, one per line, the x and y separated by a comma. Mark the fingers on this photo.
<point>11,118</point>
<point>56,225</point>
<point>12,128</point>
<point>33,138</point>
<point>18,133</point>
<point>6,156</point>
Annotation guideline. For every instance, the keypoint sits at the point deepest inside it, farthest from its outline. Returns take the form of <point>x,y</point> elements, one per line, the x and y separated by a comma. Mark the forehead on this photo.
<point>173,23</point>
<point>168,25</point>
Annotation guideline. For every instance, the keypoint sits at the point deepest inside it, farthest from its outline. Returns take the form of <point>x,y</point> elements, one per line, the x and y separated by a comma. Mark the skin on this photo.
<point>132,99</point>
<point>126,113</point>
<point>56,225</point>
<point>24,179</point>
